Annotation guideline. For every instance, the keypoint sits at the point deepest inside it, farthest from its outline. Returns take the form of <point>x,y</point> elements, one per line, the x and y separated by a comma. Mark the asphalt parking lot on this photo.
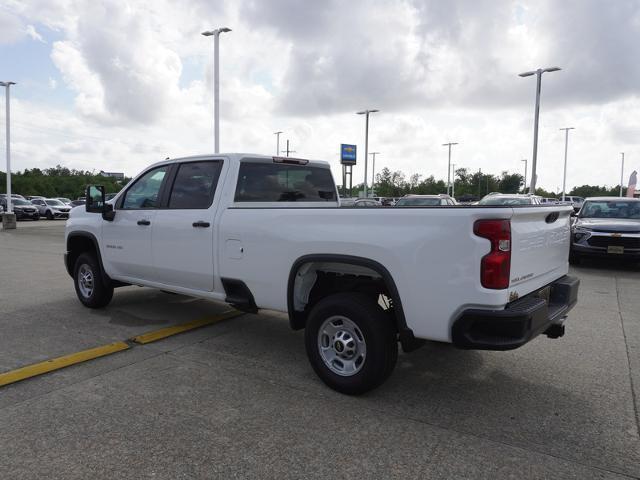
<point>238,399</point>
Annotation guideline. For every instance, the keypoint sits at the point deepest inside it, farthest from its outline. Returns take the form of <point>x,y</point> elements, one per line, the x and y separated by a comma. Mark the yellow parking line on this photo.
<point>60,362</point>
<point>185,327</point>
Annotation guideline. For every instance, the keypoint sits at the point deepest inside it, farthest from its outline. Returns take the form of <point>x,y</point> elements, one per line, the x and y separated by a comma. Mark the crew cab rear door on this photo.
<point>540,246</point>
<point>183,246</point>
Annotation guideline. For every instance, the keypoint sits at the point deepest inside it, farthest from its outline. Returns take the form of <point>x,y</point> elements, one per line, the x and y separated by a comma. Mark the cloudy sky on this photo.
<point>117,85</point>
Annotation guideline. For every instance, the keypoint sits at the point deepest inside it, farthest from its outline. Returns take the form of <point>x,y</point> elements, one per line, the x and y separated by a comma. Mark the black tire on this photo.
<point>378,334</point>
<point>49,215</point>
<point>574,259</point>
<point>35,219</point>
<point>100,293</point>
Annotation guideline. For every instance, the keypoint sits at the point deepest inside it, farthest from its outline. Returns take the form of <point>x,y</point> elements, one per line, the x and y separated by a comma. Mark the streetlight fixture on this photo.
<point>277,134</point>
<point>621,173</point>
<point>7,86</point>
<point>449,167</point>
<point>366,144</point>
<point>566,144</point>
<point>538,74</point>
<point>373,173</point>
<point>216,81</point>
<point>525,175</point>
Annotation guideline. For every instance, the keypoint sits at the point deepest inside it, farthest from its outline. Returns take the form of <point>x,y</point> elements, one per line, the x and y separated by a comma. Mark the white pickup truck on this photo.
<point>263,232</point>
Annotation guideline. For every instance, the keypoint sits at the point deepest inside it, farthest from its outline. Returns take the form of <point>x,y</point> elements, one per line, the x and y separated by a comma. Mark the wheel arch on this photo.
<point>297,318</point>
<point>79,243</point>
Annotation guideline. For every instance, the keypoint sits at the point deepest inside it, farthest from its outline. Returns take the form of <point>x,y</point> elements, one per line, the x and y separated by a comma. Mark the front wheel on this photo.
<point>351,343</point>
<point>91,288</point>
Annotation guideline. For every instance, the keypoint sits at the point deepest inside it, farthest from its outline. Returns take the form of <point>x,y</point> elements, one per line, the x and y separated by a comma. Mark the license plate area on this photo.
<point>615,249</point>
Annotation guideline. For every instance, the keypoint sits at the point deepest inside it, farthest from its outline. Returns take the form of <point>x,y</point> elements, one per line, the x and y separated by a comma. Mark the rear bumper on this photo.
<point>520,321</point>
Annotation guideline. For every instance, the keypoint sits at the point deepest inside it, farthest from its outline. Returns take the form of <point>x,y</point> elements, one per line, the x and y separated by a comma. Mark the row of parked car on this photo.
<point>444,200</point>
<point>34,207</point>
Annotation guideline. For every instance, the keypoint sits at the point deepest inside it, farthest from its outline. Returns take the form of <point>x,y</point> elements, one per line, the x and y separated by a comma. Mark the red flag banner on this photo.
<point>633,180</point>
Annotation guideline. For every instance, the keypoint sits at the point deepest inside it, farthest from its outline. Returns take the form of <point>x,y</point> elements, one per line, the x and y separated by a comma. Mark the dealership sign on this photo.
<point>347,154</point>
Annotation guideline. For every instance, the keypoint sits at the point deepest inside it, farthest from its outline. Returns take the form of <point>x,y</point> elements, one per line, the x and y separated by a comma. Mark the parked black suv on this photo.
<point>22,208</point>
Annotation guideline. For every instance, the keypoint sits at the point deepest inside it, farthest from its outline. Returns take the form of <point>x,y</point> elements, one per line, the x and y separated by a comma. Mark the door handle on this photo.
<point>144,222</point>
<point>201,224</point>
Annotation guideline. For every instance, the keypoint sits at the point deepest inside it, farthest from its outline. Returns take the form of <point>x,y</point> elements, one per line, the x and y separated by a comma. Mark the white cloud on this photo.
<point>33,34</point>
<point>11,28</point>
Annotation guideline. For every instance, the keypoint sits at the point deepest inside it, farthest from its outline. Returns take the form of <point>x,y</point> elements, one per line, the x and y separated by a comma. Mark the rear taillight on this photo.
<point>495,267</point>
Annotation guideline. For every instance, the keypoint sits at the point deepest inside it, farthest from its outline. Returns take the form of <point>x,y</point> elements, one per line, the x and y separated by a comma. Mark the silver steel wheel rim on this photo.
<point>85,280</point>
<point>342,346</point>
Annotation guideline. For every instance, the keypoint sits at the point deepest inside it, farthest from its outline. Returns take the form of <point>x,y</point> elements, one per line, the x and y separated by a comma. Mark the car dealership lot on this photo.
<point>239,399</point>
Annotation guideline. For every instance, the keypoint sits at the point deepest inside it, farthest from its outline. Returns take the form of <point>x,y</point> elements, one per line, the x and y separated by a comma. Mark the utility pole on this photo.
<point>216,81</point>
<point>10,220</point>
<point>289,151</point>
<point>373,173</point>
<point>524,189</point>
<point>277,134</point>
<point>621,173</point>
<point>566,145</point>
<point>453,184</point>
<point>366,144</point>
<point>538,73</point>
<point>449,167</point>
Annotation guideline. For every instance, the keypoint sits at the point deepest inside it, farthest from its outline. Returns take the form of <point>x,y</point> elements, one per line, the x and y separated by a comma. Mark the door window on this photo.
<point>144,193</point>
<point>195,185</point>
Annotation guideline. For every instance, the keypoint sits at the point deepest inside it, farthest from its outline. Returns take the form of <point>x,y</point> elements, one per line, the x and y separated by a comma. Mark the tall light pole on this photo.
<point>277,134</point>
<point>373,172</point>
<point>453,184</point>
<point>216,81</point>
<point>366,144</point>
<point>7,86</point>
<point>621,171</point>
<point>525,175</point>
<point>449,167</point>
<point>538,74</point>
<point>566,145</point>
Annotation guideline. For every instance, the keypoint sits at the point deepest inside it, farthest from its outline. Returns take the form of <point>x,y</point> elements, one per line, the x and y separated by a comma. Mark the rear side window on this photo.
<point>195,185</point>
<point>266,182</point>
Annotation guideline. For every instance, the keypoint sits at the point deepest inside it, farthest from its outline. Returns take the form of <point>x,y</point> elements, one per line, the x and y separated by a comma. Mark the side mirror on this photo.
<point>95,199</point>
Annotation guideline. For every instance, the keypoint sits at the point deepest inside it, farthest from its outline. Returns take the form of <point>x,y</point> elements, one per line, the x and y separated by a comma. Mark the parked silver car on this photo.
<point>52,208</point>
<point>607,227</point>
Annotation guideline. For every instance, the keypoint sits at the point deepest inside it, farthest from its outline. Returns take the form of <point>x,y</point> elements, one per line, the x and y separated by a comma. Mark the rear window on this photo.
<point>195,185</point>
<point>266,182</point>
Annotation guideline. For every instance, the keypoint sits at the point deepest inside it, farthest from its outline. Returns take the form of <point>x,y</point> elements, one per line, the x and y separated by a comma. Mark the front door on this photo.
<point>127,239</point>
<point>183,232</point>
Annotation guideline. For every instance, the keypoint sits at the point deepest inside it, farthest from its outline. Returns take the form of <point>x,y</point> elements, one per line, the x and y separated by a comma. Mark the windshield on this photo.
<point>610,209</point>
<point>505,201</point>
<point>19,201</point>
<point>417,202</point>
<point>64,200</point>
<point>54,202</point>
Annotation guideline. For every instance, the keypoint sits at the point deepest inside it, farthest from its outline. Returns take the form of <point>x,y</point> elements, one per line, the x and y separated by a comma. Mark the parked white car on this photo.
<point>51,208</point>
<point>262,232</point>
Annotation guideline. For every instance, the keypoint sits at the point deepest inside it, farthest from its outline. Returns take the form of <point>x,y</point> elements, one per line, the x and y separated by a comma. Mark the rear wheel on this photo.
<point>91,288</point>
<point>49,215</point>
<point>351,343</point>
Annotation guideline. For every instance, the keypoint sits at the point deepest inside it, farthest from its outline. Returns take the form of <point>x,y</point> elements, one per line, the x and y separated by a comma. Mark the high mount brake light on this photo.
<point>290,160</point>
<point>495,267</point>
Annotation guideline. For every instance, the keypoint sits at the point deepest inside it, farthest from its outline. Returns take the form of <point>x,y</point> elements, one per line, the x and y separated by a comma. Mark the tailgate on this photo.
<point>540,247</point>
